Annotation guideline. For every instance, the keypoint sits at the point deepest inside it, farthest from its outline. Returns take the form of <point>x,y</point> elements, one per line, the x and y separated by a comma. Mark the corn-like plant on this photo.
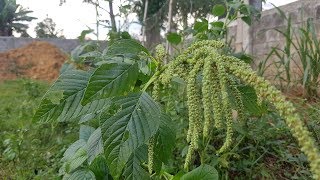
<point>126,133</point>
<point>302,49</point>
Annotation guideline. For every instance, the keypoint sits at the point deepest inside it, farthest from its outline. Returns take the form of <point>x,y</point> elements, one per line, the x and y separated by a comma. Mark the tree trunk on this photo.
<point>145,11</point>
<point>97,21</point>
<point>185,21</point>
<point>4,31</point>
<point>112,17</point>
<point>153,36</point>
<point>168,47</point>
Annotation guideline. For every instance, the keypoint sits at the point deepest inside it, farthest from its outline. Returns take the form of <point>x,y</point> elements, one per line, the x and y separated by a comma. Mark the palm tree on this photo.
<point>12,16</point>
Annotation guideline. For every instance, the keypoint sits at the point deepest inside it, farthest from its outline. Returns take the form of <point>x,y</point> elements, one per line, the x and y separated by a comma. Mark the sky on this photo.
<point>74,16</point>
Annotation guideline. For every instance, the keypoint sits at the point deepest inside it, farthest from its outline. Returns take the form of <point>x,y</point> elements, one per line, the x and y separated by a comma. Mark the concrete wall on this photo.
<point>66,45</point>
<point>261,36</point>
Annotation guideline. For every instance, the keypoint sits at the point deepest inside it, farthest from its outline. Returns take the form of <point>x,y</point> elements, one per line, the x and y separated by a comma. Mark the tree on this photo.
<point>112,16</point>
<point>156,16</point>
<point>12,16</point>
<point>195,8</point>
<point>47,29</point>
<point>157,13</point>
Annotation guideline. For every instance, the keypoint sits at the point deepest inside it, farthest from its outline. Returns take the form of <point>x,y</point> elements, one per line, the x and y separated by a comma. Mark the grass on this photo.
<point>29,150</point>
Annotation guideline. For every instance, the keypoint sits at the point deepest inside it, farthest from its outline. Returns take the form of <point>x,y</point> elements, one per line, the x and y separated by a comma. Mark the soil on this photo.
<point>37,60</point>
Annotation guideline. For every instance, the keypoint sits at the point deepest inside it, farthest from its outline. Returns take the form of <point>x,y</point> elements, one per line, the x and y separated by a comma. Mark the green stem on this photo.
<point>167,175</point>
<point>224,27</point>
<point>153,78</point>
<point>239,142</point>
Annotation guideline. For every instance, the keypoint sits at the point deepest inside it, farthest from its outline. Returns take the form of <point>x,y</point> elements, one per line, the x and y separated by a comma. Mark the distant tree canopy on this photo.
<point>195,8</point>
<point>12,16</point>
<point>157,14</point>
<point>47,29</point>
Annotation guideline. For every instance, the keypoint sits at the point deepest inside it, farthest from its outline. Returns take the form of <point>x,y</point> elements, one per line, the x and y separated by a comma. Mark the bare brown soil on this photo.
<point>38,60</point>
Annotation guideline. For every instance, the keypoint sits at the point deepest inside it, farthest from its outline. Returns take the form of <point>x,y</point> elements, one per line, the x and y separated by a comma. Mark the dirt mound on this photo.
<point>38,60</point>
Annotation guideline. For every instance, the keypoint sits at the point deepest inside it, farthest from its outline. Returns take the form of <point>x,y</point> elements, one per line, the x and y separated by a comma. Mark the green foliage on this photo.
<point>201,26</point>
<point>226,11</point>
<point>218,10</point>
<point>29,150</point>
<point>47,29</point>
<point>82,175</point>
<point>130,127</point>
<point>204,172</point>
<point>121,77</point>
<point>12,16</point>
<point>196,8</point>
<point>174,38</point>
<point>127,48</point>
<point>70,87</point>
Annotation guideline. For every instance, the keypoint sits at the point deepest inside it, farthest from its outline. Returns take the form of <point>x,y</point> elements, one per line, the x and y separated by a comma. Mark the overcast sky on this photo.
<point>74,16</point>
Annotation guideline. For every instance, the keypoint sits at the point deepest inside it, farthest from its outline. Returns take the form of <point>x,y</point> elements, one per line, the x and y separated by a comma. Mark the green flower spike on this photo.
<point>239,103</point>
<point>222,67</point>
<point>160,53</point>
<point>286,109</point>
<point>195,116</point>
<point>151,154</point>
<point>216,100</point>
<point>225,104</point>
<point>207,85</point>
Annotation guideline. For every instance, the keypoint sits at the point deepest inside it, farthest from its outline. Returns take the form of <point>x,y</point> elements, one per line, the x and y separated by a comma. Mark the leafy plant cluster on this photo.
<point>124,106</point>
<point>142,119</point>
<point>227,12</point>
<point>29,150</point>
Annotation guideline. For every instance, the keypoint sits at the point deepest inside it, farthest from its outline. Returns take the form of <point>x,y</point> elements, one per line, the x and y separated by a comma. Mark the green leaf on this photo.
<point>217,24</point>
<point>244,57</point>
<point>92,54</point>
<point>249,99</point>
<point>174,38</point>
<point>218,10</point>
<point>72,149</point>
<point>126,48</point>
<point>203,172</point>
<point>82,174</point>
<point>201,26</point>
<point>133,169</point>
<point>99,168</point>
<point>178,175</point>
<point>77,160</point>
<point>85,132</point>
<point>94,145</point>
<point>247,19</point>
<point>126,125</point>
<point>165,141</point>
<point>71,86</point>
<point>82,50</point>
<point>84,33</point>
<point>111,80</point>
